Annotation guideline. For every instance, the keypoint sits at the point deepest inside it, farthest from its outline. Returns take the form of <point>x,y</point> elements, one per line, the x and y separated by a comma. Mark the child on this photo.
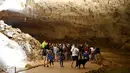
<point>50,57</point>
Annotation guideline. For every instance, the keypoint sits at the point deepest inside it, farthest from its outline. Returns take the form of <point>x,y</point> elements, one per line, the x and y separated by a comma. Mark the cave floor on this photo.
<point>115,57</point>
<point>67,68</point>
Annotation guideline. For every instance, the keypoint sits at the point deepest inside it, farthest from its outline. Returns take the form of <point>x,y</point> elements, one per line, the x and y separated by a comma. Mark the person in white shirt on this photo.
<point>56,49</point>
<point>92,49</point>
<point>92,53</point>
<point>75,52</point>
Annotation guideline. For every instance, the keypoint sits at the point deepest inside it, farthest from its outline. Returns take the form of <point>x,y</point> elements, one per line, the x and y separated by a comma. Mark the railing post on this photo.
<point>15,69</point>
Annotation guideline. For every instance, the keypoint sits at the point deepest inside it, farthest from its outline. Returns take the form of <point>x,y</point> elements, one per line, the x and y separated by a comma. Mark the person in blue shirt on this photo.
<point>50,57</point>
<point>98,56</point>
<point>86,55</point>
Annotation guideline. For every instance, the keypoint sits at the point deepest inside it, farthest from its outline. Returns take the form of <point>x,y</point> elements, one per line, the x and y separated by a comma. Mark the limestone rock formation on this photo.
<point>103,23</point>
<point>30,44</point>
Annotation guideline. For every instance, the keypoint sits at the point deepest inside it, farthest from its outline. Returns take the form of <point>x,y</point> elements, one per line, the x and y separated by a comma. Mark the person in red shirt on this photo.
<point>86,48</point>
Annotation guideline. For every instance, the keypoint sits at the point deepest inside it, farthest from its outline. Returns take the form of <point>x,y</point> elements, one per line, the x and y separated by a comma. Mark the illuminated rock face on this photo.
<point>11,54</point>
<point>82,20</point>
<point>16,47</point>
<point>12,5</point>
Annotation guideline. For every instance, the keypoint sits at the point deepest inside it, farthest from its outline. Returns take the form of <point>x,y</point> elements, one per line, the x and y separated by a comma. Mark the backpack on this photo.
<point>44,52</point>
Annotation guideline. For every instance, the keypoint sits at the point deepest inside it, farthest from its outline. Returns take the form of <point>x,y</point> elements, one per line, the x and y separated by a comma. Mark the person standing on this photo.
<point>56,49</point>
<point>66,53</point>
<point>92,53</point>
<point>62,57</point>
<point>44,54</point>
<point>75,52</point>
<point>80,47</point>
<point>98,55</point>
<point>69,51</point>
<point>50,57</point>
<point>86,48</point>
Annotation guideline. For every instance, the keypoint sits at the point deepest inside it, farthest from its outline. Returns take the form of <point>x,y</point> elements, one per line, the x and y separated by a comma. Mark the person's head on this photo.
<point>86,45</point>
<point>81,44</point>
<point>49,43</point>
<point>73,45</point>
<point>52,44</point>
<point>86,42</point>
<point>76,45</point>
<point>44,41</point>
<point>49,51</point>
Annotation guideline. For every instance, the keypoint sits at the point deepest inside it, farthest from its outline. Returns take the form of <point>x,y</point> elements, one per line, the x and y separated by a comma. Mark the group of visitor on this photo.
<point>52,52</point>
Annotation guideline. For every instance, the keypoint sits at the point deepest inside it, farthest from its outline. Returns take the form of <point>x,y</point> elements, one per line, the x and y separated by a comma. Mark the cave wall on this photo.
<point>96,21</point>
